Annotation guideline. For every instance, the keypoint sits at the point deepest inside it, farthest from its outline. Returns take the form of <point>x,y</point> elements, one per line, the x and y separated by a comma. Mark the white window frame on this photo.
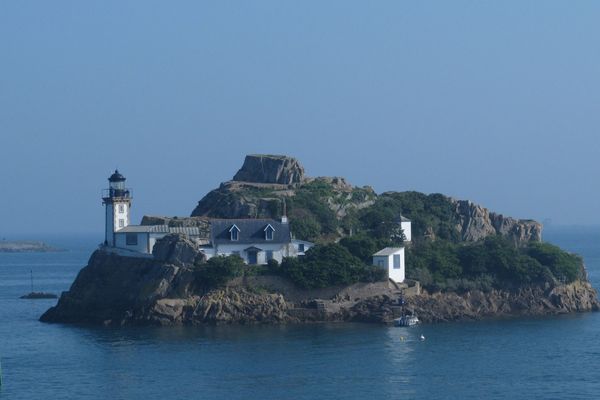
<point>234,230</point>
<point>121,223</point>
<point>271,230</point>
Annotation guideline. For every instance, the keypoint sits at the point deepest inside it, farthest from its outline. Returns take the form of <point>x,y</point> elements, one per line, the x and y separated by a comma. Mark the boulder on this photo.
<point>262,168</point>
<point>177,249</point>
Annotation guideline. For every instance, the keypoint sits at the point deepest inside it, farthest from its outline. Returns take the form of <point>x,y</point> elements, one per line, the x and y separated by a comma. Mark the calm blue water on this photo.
<point>550,358</point>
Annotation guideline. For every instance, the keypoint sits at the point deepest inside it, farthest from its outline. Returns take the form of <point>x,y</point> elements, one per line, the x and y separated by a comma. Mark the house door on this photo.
<point>252,257</point>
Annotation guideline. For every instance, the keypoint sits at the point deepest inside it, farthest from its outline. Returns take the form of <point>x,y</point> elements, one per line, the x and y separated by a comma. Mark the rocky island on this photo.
<point>463,263</point>
<point>23,246</point>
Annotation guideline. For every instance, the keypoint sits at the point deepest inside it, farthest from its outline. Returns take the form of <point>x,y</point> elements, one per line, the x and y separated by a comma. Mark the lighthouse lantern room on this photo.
<point>117,201</point>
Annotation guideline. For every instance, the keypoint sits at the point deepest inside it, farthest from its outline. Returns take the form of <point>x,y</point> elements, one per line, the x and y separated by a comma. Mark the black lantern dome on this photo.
<point>116,177</point>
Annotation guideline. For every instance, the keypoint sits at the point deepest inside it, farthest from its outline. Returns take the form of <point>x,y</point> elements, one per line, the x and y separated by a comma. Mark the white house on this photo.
<point>392,260</point>
<point>256,241</point>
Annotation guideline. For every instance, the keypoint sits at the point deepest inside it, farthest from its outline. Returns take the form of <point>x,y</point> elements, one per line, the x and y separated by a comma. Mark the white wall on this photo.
<point>118,215</point>
<point>279,251</point>
<point>407,228</point>
<point>113,214</point>
<point>142,242</point>
<point>397,274</point>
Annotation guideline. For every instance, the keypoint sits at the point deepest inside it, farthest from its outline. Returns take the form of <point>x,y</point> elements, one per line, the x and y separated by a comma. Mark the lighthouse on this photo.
<point>117,202</point>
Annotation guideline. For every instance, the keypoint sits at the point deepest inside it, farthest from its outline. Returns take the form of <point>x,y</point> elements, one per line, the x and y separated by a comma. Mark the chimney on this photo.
<point>284,219</point>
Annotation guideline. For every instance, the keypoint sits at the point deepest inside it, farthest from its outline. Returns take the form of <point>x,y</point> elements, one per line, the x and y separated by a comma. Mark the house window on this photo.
<point>269,232</point>
<point>380,263</point>
<point>121,223</point>
<point>396,261</point>
<point>269,255</point>
<point>121,208</point>
<point>301,247</point>
<point>234,234</point>
<point>131,239</point>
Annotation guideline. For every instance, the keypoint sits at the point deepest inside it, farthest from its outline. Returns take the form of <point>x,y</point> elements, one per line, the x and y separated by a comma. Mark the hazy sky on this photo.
<point>497,102</point>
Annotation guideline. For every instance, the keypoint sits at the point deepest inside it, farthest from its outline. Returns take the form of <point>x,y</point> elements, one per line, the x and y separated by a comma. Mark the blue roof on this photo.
<point>252,231</point>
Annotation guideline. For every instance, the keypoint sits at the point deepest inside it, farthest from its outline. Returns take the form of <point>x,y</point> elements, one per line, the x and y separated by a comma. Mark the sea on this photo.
<point>524,358</point>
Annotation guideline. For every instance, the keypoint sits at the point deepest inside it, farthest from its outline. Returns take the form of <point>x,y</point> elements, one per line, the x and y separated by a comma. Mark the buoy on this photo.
<point>422,337</point>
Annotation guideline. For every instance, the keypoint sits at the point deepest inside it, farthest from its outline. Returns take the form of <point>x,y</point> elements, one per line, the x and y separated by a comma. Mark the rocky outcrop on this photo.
<point>262,168</point>
<point>243,200</point>
<point>177,249</point>
<point>475,222</point>
<point>525,301</point>
<point>112,289</point>
<point>234,199</point>
<point>116,290</point>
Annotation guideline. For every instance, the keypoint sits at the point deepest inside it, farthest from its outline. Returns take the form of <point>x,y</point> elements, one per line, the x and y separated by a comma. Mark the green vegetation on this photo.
<point>310,213</point>
<point>329,265</point>
<point>313,219</point>
<point>324,211</point>
<point>432,213</point>
<point>493,262</point>
<point>218,271</point>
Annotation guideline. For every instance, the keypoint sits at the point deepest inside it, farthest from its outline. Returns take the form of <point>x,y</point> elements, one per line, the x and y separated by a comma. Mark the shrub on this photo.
<point>273,266</point>
<point>566,267</point>
<point>327,265</point>
<point>304,226</point>
<point>217,271</point>
<point>361,247</point>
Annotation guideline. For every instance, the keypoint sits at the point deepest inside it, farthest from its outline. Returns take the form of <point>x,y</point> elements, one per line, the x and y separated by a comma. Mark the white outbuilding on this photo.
<point>405,225</point>
<point>392,260</point>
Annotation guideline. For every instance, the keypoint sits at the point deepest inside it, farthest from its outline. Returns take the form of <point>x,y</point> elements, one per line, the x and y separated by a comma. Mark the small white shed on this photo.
<point>392,259</point>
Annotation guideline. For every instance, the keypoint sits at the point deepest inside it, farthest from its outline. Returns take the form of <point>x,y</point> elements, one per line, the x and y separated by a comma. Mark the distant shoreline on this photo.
<point>26,246</point>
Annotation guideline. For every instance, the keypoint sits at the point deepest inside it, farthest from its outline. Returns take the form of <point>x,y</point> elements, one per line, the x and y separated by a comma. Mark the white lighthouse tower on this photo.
<point>117,201</point>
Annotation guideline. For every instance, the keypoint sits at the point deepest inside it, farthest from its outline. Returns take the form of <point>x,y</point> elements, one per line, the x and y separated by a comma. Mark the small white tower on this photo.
<point>117,200</point>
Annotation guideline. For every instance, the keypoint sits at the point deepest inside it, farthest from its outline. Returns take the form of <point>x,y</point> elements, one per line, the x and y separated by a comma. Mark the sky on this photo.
<point>496,102</point>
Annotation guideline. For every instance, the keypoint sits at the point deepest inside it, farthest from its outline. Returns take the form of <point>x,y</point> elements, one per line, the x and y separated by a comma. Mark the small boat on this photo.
<point>406,320</point>
<point>39,295</point>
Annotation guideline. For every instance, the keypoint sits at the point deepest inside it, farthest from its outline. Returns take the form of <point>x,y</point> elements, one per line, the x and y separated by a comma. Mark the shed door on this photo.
<point>396,261</point>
